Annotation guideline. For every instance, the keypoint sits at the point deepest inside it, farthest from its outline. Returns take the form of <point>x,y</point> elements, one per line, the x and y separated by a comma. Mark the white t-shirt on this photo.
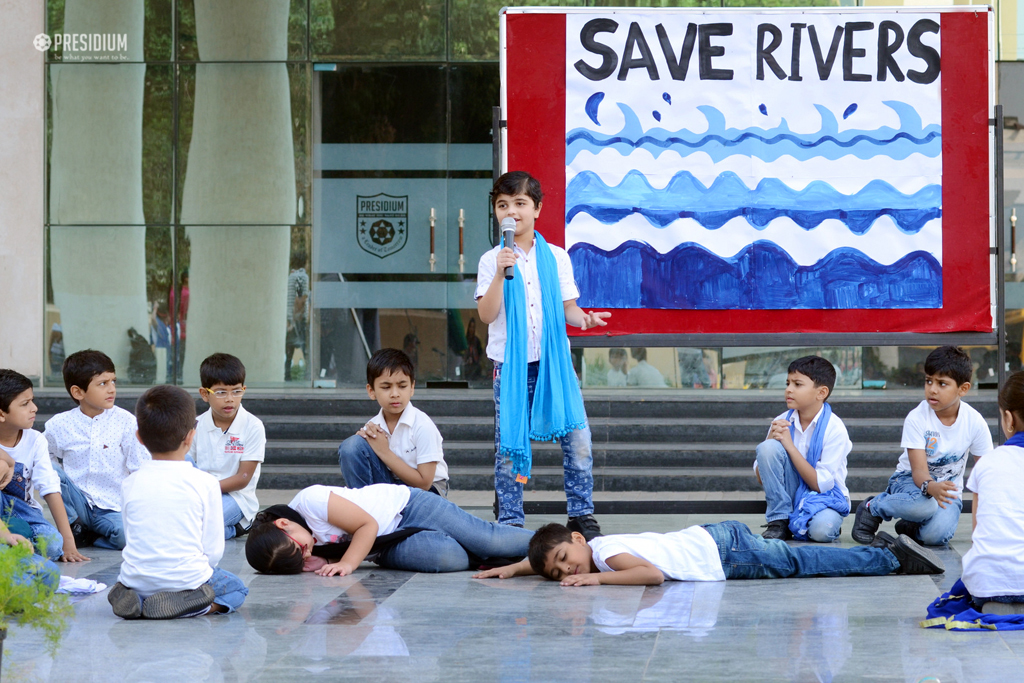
<point>97,452</point>
<point>416,440</point>
<point>689,554</point>
<point>219,453</point>
<point>383,502</point>
<point>173,527</point>
<point>993,566</point>
<point>836,446</point>
<point>945,447</point>
<point>527,263</point>
<point>34,455</point>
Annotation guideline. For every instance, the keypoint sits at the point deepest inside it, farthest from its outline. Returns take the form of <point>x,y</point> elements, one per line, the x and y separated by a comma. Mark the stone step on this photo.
<point>480,453</point>
<point>635,479</point>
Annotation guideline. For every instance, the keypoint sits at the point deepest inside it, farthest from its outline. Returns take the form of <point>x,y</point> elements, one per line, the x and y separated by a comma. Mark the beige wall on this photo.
<point>21,187</point>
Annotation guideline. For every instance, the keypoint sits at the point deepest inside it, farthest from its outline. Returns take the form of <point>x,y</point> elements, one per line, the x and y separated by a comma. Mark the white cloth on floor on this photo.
<point>75,586</point>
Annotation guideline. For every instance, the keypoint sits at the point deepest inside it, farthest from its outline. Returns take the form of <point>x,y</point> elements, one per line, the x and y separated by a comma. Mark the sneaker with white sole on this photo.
<point>171,605</point>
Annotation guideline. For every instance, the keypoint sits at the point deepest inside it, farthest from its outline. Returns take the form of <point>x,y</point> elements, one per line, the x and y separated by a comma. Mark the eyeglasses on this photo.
<point>301,547</point>
<point>221,393</point>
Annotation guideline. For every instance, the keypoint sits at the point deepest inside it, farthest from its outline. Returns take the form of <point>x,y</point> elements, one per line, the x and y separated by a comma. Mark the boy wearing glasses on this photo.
<point>229,441</point>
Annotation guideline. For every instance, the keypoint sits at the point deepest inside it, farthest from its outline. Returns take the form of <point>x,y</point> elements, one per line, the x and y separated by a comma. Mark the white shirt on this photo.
<point>97,452</point>
<point>173,527</point>
<point>945,447</point>
<point>383,502</point>
<point>836,446</point>
<point>527,263</point>
<point>416,440</point>
<point>643,374</point>
<point>689,554</point>
<point>220,452</point>
<point>993,565</point>
<point>34,456</point>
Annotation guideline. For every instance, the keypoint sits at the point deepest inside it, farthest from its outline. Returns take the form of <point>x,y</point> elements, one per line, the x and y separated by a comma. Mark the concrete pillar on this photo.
<point>241,171</point>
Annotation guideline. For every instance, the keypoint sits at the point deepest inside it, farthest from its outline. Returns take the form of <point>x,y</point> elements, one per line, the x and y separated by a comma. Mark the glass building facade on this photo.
<point>301,182</point>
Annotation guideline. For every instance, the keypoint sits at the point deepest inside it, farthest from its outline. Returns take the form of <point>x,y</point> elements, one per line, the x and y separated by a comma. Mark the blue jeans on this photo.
<point>451,535</point>
<point>232,515</point>
<point>361,467</point>
<point>781,481</point>
<point>577,461</point>
<point>106,523</point>
<point>228,589</point>
<point>43,533</point>
<point>36,568</point>
<point>748,556</point>
<point>903,500</point>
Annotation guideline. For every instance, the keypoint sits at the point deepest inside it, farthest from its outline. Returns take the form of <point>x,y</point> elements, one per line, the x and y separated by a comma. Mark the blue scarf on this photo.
<point>807,502</point>
<point>1015,440</point>
<point>954,610</point>
<point>557,402</point>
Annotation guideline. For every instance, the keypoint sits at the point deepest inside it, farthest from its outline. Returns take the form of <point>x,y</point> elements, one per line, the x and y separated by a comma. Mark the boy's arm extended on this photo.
<point>942,491</point>
<point>240,479</point>
<point>575,316</point>
<point>60,518</point>
<point>521,568</point>
<point>630,570</point>
<point>356,521</point>
<point>780,432</point>
<point>421,477</point>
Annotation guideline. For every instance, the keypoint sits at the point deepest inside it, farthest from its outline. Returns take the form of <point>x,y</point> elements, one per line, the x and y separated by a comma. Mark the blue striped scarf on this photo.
<point>557,402</point>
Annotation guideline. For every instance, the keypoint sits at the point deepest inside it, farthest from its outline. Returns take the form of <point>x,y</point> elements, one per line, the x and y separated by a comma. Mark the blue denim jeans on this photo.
<point>577,461</point>
<point>748,556</point>
<point>361,467</point>
<point>232,515</point>
<point>903,500</point>
<point>36,568</point>
<point>451,535</point>
<point>228,589</point>
<point>44,535</point>
<point>781,481</point>
<point>106,523</point>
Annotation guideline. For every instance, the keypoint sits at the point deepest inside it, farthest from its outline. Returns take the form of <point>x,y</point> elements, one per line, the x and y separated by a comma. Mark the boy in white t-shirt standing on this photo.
<point>230,441</point>
<point>925,491</point>
<point>992,570</point>
<point>401,444</point>
<point>172,523</point>
<point>712,552</point>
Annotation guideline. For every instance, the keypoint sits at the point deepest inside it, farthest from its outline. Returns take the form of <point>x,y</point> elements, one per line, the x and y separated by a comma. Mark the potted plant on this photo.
<point>28,600</point>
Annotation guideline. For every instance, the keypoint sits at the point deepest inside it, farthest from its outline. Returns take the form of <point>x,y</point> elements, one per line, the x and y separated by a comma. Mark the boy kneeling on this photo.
<point>173,522</point>
<point>712,552</point>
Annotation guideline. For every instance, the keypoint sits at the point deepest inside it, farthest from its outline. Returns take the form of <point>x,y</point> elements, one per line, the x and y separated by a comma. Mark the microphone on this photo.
<point>508,235</point>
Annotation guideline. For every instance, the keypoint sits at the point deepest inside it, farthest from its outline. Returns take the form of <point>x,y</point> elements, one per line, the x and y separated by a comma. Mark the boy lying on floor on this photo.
<point>712,552</point>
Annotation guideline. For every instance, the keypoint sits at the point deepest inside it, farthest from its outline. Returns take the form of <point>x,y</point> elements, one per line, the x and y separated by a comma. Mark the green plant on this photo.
<point>26,599</point>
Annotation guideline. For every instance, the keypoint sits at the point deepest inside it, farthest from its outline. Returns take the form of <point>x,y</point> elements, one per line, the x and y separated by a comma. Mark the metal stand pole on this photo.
<point>1001,372</point>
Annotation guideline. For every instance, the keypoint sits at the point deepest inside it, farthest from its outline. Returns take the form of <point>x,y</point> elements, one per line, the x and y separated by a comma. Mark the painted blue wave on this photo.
<point>762,276</point>
<point>728,197</point>
<point>767,144</point>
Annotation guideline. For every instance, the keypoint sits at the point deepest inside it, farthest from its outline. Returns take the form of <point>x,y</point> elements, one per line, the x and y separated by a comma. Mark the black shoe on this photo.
<point>168,605</point>
<point>908,528</point>
<point>240,530</point>
<point>586,525</point>
<point>778,529</point>
<point>125,601</point>
<point>865,524</point>
<point>83,537</point>
<point>913,558</point>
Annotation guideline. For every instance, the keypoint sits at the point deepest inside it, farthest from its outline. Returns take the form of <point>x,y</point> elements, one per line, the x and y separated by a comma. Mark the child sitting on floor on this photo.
<point>173,522</point>
<point>712,552</point>
<point>992,567</point>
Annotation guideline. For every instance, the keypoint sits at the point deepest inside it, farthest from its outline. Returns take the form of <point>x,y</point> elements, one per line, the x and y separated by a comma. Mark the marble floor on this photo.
<point>382,625</point>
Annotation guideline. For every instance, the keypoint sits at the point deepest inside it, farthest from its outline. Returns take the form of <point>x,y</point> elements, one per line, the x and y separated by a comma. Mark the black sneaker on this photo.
<point>167,605</point>
<point>865,524</point>
<point>908,528</point>
<point>777,530</point>
<point>240,530</point>
<point>913,558</point>
<point>125,601</point>
<point>586,525</point>
<point>83,537</point>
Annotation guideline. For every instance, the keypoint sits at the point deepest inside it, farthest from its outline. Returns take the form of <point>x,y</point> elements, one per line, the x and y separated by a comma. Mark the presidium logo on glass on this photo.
<point>42,42</point>
<point>382,223</point>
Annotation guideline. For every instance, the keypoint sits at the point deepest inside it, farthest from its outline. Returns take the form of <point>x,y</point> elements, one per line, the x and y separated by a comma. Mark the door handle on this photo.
<point>462,228</point>
<point>433,258</point>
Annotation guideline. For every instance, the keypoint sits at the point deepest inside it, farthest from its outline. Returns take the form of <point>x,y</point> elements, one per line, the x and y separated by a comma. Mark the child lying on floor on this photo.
<point>713,552</point>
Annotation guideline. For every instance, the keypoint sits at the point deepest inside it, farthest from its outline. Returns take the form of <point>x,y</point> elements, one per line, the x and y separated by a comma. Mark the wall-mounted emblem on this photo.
<point>382,223</point>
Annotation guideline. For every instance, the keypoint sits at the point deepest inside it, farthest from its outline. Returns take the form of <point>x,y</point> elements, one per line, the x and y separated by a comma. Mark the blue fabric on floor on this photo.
<point>953,611</point>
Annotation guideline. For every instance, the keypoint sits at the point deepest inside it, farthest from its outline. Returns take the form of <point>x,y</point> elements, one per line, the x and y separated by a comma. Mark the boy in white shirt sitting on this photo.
<point>172,523</point>
<point>230,441</point>
<point>712,552</point>
<point>96,445</point>
<point>400,445</point>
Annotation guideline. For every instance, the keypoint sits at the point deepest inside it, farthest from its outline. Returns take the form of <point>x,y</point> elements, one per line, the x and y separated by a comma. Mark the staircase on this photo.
<point>654,442</point>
